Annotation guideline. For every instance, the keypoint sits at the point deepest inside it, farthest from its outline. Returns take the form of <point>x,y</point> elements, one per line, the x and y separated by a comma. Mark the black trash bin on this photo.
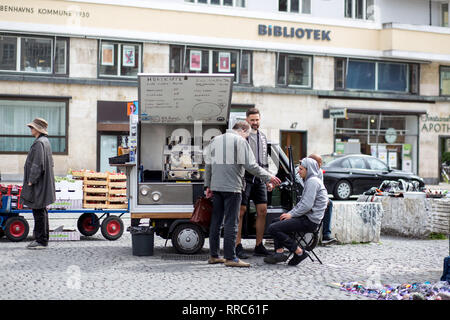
<point>142,240</point>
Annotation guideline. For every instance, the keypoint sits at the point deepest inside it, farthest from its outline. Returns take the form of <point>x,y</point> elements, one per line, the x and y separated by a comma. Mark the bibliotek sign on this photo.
<point>291,32</point>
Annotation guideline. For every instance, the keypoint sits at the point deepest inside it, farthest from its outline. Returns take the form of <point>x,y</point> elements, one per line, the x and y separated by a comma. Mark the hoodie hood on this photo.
<point>312,168</point>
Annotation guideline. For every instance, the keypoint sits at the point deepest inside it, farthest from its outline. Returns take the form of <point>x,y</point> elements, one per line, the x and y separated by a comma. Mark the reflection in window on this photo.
<point>33,54</point>
<point>376,164</point>
<point>295,6</point>
<point>444,15</point>
<point>36,55</point>
<point>294,70</point>
<point>359,9</point>
<point>361,75</point>
<point>392,77</point>
<point>445,81</point>
<point>8,53</point>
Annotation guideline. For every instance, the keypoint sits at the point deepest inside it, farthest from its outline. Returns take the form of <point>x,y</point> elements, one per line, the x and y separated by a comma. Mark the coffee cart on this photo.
<point>178,115</point>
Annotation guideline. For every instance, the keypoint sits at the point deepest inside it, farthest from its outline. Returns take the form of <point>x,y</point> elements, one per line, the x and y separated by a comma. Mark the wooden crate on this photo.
<point>117,191</point>
<point>87,189</point>
<point>120,185</point>
<point>96,175</point>
<point>97,205</point>
<point>116,176</point>
<point>117,199</point>
<point>89,197</point>
<point>117,206</point>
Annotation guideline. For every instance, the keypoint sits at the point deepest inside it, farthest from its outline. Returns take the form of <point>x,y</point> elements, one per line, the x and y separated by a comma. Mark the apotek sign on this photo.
<point>435,124</point>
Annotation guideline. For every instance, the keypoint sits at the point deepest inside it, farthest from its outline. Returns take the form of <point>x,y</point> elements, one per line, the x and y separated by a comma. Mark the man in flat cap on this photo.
<point>38,189</point>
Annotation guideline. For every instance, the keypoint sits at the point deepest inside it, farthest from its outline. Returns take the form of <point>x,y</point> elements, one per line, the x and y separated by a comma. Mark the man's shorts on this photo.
<point>254,191</point>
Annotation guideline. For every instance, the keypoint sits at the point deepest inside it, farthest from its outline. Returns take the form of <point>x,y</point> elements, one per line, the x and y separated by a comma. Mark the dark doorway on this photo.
<point>296,139</point>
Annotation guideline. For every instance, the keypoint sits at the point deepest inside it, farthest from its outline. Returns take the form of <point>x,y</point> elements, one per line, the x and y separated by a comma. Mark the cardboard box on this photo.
<point>64,235</point>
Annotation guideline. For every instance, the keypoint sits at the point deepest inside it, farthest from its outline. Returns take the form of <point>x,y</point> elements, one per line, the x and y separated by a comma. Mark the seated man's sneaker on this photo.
<point>275,258</point>
<point>240,252</point>
<point>236,263</point>
<point>36,245</point>
<point>261,251</point>
<point>328,240</point>
<point>296,259</point>
<point>215,260</point>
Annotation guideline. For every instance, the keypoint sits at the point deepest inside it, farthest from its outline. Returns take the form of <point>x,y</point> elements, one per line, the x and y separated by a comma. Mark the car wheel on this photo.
<point>343,190</point>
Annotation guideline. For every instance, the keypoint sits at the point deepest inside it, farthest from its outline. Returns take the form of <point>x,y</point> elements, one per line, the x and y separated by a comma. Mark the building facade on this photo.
<point>344,76</point>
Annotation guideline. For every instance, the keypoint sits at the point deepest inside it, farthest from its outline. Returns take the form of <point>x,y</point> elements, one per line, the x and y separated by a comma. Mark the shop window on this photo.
<point>39,55</point>
<point>359,9</point>
<point>294,70</point>
<point>295,6</point>
<point>354,74</point>
<point>15,136</point>
<point>445,81</point>
<point>119,59</point>
<point>391,138</point>
<point>226,3</point>
<point>201,60</point>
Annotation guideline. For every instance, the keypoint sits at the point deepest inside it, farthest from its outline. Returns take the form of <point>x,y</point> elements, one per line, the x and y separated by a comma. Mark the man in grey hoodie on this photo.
<point>227,158</point>
<point>304,217</point>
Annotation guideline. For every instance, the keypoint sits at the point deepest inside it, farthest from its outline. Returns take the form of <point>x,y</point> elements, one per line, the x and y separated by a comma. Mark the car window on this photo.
<point>357,163</point>
<point>376,164</point>
<point>345,164</point>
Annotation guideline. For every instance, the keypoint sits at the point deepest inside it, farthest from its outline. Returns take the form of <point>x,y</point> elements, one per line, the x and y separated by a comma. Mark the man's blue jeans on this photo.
<point>226,207</point>
<point>326,231</point>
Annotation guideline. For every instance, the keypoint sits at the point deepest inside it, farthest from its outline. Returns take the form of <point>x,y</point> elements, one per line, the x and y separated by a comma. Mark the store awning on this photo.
<point>387,111</point>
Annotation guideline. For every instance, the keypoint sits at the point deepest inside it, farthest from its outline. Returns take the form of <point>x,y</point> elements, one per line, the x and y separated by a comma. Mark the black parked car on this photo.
<point>354,174</point>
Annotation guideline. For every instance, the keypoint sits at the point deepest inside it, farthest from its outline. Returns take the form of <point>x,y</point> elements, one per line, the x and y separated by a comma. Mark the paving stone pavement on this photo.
<point>95,268</point>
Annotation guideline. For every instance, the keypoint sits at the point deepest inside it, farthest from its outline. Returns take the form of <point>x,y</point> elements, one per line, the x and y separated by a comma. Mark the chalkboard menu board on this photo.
<point>185,98</point>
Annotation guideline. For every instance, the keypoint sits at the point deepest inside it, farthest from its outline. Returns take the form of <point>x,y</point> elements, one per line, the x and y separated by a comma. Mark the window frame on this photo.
<point>286,85</point>
<point>442,4</point>
<point>53,40</point>
<point>353,16</point>
<point>118,58</point>
<point>300,7</point>
<point>40,99</point>
<point>441,69</point>
<point>409,75</point>
<point>211,50</point>
<point>208,3</point>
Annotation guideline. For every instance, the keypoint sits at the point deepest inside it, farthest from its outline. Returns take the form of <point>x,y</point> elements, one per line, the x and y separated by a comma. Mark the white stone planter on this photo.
<point>356,221</point>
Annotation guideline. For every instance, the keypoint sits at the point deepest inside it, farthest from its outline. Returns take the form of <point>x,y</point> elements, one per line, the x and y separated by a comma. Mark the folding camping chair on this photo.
<point>308,241</point>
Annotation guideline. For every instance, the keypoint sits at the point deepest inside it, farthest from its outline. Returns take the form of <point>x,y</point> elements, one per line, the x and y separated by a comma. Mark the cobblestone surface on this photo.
<point>95,268</point>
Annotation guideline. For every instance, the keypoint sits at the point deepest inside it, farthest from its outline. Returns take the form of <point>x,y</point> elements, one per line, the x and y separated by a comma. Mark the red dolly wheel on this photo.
<point>16,229</point>
<point>88,224</point>
<point>112,228</point>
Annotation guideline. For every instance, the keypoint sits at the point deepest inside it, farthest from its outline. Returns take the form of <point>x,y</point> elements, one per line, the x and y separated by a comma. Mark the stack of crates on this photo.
<point>117,191</point>
<point>95,190</point>
<point>103,190</point>
<point>14,191</point>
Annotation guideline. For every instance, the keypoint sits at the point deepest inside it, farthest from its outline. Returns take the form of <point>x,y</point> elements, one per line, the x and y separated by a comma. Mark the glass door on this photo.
<point>108,149</point>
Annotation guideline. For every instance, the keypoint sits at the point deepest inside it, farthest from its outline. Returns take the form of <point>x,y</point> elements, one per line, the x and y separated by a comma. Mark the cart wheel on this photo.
<point>88,224</point>
<point>188,238</point>
<point>112,228</point>
<point>16,229</point>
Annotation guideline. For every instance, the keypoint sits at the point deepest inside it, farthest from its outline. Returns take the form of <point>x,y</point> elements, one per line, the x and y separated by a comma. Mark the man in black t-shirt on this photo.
<point>255,188</point>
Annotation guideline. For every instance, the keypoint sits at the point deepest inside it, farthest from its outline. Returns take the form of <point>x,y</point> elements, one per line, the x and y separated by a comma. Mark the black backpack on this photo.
<point>446,274</point>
